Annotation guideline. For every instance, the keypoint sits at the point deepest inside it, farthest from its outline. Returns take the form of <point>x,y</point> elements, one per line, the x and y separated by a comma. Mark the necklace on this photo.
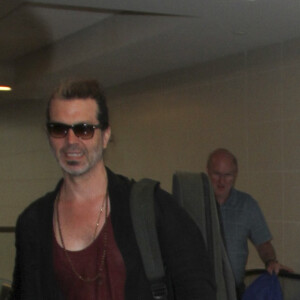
<point>98,275</point>
<point>100,212</point>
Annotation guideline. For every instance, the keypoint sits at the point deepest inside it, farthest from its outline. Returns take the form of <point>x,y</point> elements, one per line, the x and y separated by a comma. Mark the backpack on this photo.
<point>264,287</point>
<point>194,193</point>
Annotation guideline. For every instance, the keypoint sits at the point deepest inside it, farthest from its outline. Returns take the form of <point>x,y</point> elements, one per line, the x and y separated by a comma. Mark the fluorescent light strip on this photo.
<point>5,88</point>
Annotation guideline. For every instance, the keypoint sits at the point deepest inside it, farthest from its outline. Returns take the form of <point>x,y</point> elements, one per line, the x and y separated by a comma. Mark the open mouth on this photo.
<point>74,155</point>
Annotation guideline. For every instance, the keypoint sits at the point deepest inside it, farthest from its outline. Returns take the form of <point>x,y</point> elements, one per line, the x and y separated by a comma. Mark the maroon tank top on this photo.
<point>111,284</point>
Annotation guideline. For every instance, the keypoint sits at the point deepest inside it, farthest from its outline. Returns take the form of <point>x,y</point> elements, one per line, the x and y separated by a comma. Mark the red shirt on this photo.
<point>111,284</point>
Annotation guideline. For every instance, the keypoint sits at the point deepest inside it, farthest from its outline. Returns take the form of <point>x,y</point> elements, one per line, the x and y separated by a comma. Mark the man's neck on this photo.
<point>221,200</point>
<point>86,186</point>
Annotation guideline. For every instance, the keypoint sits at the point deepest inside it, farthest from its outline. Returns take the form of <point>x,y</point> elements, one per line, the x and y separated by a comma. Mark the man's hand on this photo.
<point>267,254</point>
<point>275,266</point>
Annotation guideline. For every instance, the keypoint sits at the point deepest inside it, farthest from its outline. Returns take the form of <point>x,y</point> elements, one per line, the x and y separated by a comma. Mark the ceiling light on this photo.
<point>5,88</point>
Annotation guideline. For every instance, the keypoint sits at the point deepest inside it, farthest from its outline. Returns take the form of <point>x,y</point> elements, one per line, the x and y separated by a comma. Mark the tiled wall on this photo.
<point>27,168</point>
<point>248,103</point>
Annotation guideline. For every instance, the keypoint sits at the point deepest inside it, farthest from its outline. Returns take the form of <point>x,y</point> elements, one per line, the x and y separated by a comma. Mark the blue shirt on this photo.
<point>242,220</point>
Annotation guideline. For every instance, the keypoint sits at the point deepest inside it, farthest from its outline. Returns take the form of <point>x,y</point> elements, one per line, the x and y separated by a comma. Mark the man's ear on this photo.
<point>106,134</point>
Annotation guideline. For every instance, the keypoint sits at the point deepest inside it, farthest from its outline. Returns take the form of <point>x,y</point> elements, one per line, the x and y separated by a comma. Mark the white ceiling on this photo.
<point>119,41</point>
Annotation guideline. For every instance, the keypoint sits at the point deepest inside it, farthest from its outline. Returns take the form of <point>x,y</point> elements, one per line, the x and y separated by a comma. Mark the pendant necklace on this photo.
<point>103,208</point>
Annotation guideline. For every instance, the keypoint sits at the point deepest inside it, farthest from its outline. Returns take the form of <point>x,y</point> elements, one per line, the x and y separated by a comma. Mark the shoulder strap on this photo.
<point>143,219</point>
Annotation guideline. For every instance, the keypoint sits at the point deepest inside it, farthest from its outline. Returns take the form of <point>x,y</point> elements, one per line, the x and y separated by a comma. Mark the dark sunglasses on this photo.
<point>81,130</point>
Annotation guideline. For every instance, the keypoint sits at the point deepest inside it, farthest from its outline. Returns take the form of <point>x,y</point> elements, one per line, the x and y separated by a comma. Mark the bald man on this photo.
<point>241,217</point>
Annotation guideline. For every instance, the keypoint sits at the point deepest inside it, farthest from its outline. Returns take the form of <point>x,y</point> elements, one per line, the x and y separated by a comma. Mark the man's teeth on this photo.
<point>74,154</point>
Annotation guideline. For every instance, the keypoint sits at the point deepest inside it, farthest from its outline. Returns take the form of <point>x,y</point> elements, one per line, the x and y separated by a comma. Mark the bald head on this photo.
<point>221,153</point>
<point>222,169</point>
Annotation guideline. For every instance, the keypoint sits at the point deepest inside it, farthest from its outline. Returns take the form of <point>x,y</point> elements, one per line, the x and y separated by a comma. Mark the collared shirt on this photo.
<point>242,220</point>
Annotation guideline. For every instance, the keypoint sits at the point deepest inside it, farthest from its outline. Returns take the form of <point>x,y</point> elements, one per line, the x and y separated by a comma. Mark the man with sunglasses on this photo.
<point>78,242</point>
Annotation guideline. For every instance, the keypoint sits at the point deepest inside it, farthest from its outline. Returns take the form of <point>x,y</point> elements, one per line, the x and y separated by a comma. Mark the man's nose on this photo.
<point>71,138</point>
<point>221,178</point>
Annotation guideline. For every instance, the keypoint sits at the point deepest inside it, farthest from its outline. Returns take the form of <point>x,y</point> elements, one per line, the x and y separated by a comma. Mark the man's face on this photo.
<point>222,173</point>
<point>75,155</point>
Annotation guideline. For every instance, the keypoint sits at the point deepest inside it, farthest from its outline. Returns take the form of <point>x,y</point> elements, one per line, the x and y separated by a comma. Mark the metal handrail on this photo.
<point>282,273</point>
<point>7,229</point>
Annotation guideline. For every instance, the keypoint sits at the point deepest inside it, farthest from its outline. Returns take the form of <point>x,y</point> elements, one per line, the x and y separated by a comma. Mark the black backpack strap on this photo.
<point>143,219</point>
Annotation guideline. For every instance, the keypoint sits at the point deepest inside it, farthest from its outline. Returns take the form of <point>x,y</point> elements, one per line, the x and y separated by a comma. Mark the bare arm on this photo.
<point>267,254</point>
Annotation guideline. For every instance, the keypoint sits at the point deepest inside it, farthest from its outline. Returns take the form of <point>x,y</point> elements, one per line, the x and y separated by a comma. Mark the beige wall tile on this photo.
<point>242,181</point>
<point>291,52</point>
<point>22,113</point>
<point>290,86</point>
<point>267,189</point>
<point>277,231</point>
<point>291,145</point>
<point>254,262</point>
<point>264,58</point>
<point>265,144</point>
<point>18,194</point>
<point>291,245</point>
<point>229,66</point>
<point>291,211</point>
<point>33,139</point>
<point>29,165</point>
<point>264,96</point>
<point>7,255</point>
<point>171,128</point>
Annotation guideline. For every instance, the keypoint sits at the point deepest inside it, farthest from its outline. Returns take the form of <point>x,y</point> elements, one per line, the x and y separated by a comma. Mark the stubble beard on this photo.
<point>90,160</point>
